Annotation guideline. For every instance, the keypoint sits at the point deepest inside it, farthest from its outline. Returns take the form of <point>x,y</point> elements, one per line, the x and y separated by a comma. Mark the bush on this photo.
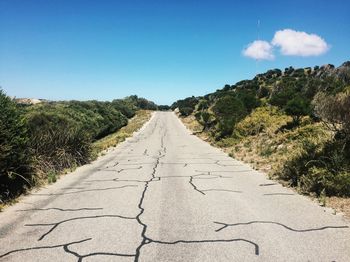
<point>320,168</point>
<point>228,111</point>
<point>15,160</point>
<point>334,110</point>
<point>59,148</point>
<point>186,111</point>
<point>297,107</point>
<point>205,119</point>
<point>263,119</point>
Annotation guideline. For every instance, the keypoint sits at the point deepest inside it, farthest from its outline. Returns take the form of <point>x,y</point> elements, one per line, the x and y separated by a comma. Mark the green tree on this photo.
<point>297,107</point>
<point>228,111</point>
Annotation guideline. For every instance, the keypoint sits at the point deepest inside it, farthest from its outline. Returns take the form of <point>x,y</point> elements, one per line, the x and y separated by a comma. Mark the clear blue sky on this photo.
<point>161,50</point>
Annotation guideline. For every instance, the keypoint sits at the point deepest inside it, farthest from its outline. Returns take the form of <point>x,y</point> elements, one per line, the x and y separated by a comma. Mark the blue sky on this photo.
<point>161,50</point>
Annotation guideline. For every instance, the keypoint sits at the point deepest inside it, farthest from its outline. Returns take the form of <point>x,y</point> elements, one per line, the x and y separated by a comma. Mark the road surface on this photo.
<point>165,195</point>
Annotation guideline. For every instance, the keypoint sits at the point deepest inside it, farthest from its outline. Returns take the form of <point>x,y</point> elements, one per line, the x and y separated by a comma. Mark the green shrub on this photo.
<point>15,160</point>
<point>185,111</point>
<point>60,148</point>
<point>228,111</point>
<point>263,119</point>
<point>297,107</point>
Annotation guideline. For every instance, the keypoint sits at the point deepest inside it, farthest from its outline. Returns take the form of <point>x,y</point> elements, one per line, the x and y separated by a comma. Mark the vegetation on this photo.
<point>38,142</point>
<point>293,124</point>
<point>15,158</point>
<point>113,139</point>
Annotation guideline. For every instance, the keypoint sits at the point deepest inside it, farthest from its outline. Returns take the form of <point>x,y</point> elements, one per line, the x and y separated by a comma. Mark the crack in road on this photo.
<point>145,240</point>
<point>225,225</point>
<point>81,257</point>
<point>44,247</point>
<point>124,169</point>
<point>55,225</point>
<point>62,209</point>
<point>256,246</point>
<point>83,191</point>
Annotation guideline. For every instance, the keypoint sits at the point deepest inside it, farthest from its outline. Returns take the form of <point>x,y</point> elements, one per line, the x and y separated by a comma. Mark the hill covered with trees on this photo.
<point>293,124</point>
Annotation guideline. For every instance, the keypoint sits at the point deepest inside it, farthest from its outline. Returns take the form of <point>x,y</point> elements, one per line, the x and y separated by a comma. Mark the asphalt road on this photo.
<point>165,195</point>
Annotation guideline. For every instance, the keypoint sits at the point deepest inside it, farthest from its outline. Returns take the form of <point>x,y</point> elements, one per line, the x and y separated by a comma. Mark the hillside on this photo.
<point>293,124</point>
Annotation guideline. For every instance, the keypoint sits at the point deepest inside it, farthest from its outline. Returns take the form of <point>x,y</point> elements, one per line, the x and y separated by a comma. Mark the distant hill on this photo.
<point>29,101</point>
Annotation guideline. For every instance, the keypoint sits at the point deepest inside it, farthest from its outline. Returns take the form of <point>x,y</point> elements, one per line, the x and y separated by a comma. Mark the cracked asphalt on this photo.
<point>165,195</point>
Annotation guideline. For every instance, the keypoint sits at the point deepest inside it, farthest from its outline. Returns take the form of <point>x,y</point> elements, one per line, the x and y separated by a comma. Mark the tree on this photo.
<point>297,107</point>
<point>228,111</point>
<point>334,111</point>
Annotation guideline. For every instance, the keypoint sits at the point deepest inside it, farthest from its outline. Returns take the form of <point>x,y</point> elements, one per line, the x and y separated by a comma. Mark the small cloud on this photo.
<point>299,43</point>
<point>260,50</point>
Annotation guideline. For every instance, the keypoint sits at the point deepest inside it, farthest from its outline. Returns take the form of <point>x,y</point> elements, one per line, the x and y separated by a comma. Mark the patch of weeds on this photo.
<point>51,177</point>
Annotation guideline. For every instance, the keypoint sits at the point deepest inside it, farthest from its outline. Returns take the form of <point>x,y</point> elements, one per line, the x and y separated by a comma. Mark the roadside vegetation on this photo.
<point>292,124</point>
<point>39,142</point>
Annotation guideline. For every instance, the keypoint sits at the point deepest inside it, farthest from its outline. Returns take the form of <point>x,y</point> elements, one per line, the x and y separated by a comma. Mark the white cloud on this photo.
<point>299,43</point>
<point>260,50</point>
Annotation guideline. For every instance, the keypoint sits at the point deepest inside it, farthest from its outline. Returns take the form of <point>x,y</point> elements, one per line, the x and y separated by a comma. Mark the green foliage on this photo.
<point>266,119</point>
<point>185,106</point>
<point>228,110</point>
<point>260,111</point>
<point>164,108</point>
<point>38,142</point>
<point>185,111</point>
<point>297,107</point>
<point>326,170</point>
<point>334,110</point>
<point>248,98</point>
<point>15,160</point>
<point>57,149</point>
<point>202,105</point>
<point>205,118</point>
<point>281,98</point>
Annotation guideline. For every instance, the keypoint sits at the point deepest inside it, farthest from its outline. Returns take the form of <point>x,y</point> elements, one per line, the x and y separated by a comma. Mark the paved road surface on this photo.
<point>165,195</point>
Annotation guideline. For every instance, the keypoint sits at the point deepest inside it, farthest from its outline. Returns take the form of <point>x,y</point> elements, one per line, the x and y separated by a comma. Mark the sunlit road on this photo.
<point>165,195</point>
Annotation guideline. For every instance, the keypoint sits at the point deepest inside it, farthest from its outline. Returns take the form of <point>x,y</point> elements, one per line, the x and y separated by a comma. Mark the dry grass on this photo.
<point>340,204</point>
<point>134,124</point>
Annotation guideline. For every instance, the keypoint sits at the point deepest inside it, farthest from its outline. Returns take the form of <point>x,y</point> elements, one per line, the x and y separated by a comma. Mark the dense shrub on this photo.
<point>15,160</point>
<point>206,119</point>
<point>319,171</point>
<point>39,141</point>
<point>263,119</point>
<point>186,111</point>
<point>297,107</point>
<point>164,108</point>
<point>228,111</point>
<point>57,149</point>
<point>334,110</point>
<point>188,103</point>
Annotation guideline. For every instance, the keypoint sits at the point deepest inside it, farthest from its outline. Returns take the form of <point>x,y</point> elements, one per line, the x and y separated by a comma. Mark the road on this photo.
<point>165,195</point>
